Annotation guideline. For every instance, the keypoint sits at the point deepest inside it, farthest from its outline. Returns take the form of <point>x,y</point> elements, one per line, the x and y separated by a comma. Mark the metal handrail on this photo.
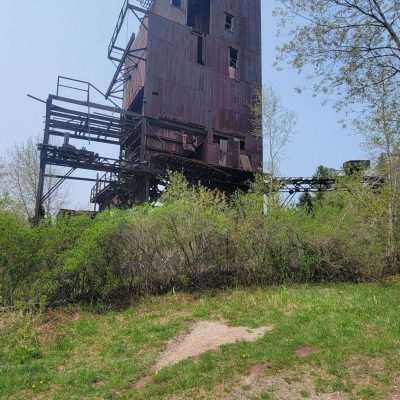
<point>145,6</point>
<point>120,22</point>
<point>102,183</point>
<point>88,87</point>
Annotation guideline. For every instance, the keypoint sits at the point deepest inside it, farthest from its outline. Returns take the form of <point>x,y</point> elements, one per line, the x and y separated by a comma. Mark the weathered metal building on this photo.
<point>186,81</point>
<point>203,66</point>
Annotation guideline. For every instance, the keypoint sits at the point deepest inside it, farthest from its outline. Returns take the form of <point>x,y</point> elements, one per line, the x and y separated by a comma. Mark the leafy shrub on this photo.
<point>86,271</point>
<point>17,255</point>
<point>30,257</point>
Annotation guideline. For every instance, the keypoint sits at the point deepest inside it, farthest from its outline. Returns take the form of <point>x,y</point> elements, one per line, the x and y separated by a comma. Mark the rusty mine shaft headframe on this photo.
<point>179,100</point>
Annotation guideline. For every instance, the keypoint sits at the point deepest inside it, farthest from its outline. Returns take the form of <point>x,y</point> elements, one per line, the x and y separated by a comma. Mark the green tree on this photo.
<point>352,45</point>
<point>308,200</point>
<point>380,126</point>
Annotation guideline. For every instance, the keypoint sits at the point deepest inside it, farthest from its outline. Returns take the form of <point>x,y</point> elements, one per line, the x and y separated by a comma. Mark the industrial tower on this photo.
<point>182,97</point>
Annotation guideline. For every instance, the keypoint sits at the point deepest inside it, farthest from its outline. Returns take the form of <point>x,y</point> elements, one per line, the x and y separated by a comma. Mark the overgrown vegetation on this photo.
<point>196,240</point>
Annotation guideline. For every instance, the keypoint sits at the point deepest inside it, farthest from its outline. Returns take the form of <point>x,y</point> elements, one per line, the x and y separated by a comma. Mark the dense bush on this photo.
<point>195,239</point>
<point>18,255</point>
<point>30,258</point>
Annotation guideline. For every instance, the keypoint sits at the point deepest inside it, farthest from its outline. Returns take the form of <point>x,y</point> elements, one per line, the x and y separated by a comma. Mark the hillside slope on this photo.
<point>323,342</point>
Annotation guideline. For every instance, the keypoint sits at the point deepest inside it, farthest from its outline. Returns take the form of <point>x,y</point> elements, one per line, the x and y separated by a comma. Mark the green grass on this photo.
<point>80,354</point>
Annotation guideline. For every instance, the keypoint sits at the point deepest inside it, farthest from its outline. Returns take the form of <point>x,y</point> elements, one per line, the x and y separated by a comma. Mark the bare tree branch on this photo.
<point>352,45</point>
<point>21,177</point>
<point>276,124</point>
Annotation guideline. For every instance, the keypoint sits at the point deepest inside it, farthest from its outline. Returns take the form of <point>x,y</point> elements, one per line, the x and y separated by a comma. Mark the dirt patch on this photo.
<point>263,382</point>
<point>206,336</point>
<point>365,372</point>
<point>395,390</point>
<point>7,320</point>
<point>304,352</point>
<point>255,373</point>
<point>49,328</point>
<point>141,383</point>
<point>379,374</point>
<point>311,383</point>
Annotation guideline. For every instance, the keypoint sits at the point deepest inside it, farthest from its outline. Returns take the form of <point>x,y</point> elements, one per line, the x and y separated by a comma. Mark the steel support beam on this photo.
<point>73,178</point>
<point>42,168</point>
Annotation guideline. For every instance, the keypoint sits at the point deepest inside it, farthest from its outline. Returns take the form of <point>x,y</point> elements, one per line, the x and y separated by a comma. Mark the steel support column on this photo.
<point>42,168</point>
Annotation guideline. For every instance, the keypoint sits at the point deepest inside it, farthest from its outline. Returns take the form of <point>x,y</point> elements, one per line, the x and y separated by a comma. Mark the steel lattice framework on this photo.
<point>126,58</point>
<point>131,178</point>
<point>292,186</point>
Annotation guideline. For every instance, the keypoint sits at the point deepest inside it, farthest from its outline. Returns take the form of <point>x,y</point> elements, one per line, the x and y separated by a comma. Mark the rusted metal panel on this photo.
<point>138,76</point>
<point>177,87</point>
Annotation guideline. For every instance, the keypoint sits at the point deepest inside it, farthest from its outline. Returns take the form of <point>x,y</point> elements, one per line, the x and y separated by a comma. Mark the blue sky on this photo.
<point>43,39</point>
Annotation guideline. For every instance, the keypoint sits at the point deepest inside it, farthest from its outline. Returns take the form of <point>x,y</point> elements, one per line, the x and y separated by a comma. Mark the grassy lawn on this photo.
<point>77,353</point>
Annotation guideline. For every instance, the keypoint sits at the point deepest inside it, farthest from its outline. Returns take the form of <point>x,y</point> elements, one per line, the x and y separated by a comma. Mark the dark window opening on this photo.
<point>233,62</point>
<point>229,22</point>
<point>223,150</point>
<point>176,3</point>
<point>137,103</point>
<point>233,57</point>
<point>242,145</point>
<point>199,15</point>
<point>200,50</point>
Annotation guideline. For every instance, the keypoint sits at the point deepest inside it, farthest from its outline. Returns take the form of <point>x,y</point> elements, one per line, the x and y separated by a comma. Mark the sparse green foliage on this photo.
<point>275,123</point>
<point>380,127</point>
